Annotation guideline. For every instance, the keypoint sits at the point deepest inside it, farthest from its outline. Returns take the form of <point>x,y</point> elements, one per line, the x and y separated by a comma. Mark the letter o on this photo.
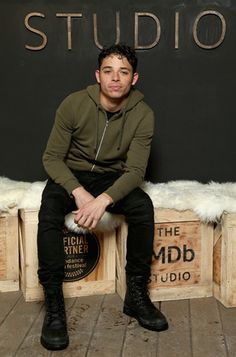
<point>223,31</point>
<point>186,277</point>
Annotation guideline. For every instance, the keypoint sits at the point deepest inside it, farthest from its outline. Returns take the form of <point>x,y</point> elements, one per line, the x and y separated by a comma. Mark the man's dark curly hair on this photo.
<point>120,50</point>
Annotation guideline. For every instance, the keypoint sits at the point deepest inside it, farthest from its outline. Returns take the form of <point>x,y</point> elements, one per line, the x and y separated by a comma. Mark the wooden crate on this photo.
<point>224,260</point>
<point>182,259</point>
<point>9,254</point>
<point>100,281</point>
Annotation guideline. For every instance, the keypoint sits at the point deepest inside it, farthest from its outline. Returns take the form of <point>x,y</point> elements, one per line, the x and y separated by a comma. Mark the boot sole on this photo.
<point>127,311</point>
<point>54,347</point>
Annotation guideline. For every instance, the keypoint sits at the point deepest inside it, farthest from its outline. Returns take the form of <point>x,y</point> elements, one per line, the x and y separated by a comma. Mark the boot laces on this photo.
<point>141,292</point>
<point>55,306</point>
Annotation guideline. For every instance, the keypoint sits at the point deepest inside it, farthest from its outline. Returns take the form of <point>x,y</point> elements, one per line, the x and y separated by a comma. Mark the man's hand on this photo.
<point>81,196</point>
<point>90,209</point>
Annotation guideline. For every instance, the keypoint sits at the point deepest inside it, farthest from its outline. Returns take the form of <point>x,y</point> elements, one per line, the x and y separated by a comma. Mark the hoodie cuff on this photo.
<point>71,185</point>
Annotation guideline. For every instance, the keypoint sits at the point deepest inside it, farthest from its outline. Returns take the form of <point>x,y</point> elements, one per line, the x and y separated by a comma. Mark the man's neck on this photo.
<point>111,105</point>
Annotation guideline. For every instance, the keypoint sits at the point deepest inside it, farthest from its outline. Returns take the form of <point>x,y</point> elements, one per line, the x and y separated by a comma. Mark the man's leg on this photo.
<point>56,203</point>
<point>138,210</point>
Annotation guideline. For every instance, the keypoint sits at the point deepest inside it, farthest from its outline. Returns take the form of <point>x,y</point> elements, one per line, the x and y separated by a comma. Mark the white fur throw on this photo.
<point>15,195</point>
<point>208,201</point>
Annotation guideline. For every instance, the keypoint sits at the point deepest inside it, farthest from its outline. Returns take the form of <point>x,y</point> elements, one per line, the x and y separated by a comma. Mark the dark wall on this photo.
<point>191,88</point>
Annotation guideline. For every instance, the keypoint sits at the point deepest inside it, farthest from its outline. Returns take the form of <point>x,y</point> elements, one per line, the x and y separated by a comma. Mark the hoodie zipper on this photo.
<point>101,141</point>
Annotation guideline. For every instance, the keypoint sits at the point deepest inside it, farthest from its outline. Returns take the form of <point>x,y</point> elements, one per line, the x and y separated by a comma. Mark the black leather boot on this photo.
<point>137,304</point>
<point>54,331</point>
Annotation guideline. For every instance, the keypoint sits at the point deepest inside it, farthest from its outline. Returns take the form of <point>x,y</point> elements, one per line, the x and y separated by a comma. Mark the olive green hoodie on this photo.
<point>82,139</point>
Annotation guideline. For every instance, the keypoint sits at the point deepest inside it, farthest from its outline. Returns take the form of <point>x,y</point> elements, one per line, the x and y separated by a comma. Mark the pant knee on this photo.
<point>51,211</point>
<point>141,207</point>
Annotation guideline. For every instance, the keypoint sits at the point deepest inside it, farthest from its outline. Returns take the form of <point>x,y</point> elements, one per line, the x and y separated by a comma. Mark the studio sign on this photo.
<point>70,18</point>
<point>82,252</point>
<point>176,254</point>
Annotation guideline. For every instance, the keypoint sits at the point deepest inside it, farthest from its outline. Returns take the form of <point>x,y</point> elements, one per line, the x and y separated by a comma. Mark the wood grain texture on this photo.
<point>224,261</point>
<point>100,281</point>
<point>97,327</point>
<point>182,260</point>
<point>9,256</point>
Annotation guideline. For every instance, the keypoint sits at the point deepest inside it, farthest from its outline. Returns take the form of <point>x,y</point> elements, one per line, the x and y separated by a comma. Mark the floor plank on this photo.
<point>7,302</point>
<point>108,334</point>
<point>16,326</point>
<point>207,334</point>
<point>228,318</point>
<point>138,341</point>
<point>176,342</point>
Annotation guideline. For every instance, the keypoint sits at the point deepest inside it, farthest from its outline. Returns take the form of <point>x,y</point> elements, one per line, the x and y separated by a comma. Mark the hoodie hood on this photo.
<point>135,96</point>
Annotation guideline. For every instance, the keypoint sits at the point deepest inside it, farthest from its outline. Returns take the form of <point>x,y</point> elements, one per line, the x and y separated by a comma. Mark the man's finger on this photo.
<point>94,223</point>
<point>81,221</point>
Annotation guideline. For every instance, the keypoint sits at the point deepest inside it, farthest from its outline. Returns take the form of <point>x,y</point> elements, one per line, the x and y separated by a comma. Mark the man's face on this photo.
<point>115,77</point>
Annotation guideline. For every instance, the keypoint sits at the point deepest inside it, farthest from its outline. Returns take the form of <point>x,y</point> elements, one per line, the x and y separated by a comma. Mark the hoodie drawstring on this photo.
<point>97,129</point>
<point>122,130</point>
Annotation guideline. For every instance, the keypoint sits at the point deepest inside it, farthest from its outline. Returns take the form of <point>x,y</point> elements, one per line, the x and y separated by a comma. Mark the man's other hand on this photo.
<point>90,212</point>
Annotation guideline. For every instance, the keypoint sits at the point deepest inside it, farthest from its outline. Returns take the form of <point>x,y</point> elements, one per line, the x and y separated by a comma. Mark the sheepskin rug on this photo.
<point>208,201</point>
<point>16,195</point>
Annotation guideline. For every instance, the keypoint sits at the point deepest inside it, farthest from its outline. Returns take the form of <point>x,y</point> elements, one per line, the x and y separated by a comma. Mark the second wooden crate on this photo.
<point>182,257</point>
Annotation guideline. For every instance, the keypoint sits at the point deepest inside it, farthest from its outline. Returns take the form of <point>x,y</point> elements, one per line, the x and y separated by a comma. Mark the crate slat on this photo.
<point>224,260</point>
<point>9,257</point>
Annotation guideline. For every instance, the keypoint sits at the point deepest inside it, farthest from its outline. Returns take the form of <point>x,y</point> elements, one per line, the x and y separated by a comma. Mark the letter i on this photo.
<point>176,30</point>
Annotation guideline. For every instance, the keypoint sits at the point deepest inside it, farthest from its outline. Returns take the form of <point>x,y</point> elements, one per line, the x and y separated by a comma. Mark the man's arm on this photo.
<point>136,161</point>
<point>90,209</point>
<point>58,145</point>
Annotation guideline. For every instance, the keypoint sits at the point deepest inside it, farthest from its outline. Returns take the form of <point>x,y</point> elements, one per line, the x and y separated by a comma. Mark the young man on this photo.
<point>96,159</point>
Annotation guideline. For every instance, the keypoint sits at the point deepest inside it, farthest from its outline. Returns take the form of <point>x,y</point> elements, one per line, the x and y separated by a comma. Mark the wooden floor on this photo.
<point>97,327</point>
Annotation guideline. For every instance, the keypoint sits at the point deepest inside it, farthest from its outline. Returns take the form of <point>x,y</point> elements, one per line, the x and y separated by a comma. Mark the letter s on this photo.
<point>40,33</point>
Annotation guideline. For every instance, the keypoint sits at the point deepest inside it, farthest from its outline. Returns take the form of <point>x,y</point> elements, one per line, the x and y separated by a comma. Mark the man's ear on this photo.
<point>97,75</point>
<point>135,78</point>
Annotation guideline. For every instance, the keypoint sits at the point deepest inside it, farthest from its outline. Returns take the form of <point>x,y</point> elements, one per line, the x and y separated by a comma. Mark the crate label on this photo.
<point>176,254</point>
<point>3,249</point>
<point>82,252</point>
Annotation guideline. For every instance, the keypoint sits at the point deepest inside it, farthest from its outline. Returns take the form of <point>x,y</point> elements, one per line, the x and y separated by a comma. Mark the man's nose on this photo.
<point>115,76</point>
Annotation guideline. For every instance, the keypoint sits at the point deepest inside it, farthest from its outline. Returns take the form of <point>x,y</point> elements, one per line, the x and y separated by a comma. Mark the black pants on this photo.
<point>56,203</point>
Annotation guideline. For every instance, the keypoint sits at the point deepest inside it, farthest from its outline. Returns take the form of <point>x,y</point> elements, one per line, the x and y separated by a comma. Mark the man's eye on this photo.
<point>124,72</point>
<point>107,71</point>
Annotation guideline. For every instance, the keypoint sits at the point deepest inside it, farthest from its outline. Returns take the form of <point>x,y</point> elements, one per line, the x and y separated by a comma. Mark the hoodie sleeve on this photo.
<point>58,146</point>
<point>137,159</point>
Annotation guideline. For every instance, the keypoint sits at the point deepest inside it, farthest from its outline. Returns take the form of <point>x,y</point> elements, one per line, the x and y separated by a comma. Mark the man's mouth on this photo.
<point>115,87</point>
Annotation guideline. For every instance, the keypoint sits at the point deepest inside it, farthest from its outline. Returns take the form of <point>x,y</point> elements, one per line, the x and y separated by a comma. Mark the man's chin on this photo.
<point>117,95</point>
